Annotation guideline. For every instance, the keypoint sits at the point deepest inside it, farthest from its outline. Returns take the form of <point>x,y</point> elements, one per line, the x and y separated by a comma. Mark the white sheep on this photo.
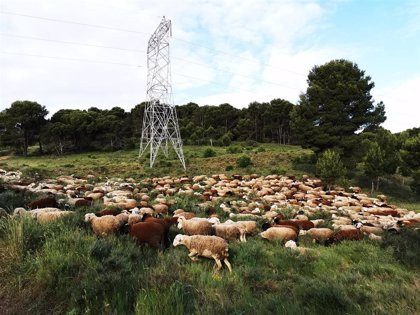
<point>49,216</point>
<point>249,226</point>
<point>301,250</point>
<point>206,246</point>
<point>319,234</point>
<point>194,227</point>
<point>230,232</point>
<point>280,233</point>
<point>105,225</point>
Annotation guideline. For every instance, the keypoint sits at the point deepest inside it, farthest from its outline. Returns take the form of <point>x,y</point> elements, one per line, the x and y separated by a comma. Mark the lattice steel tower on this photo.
<point>160,123</point>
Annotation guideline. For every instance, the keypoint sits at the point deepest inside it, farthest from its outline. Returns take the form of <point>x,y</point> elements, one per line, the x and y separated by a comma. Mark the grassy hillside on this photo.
<point>62,267</point>
<point>266,158</point>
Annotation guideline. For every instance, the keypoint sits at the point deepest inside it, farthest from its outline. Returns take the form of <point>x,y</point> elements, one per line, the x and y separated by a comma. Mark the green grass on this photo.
<point>62,268</point>
<point>126,164</point>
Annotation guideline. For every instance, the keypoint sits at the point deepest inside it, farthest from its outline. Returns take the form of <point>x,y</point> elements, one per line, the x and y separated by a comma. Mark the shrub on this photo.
<point>209,152</point>
<point>415,184</point>
<point>226,139</point>
<point>243,161</point>
<point>251,143</point>
<point>260,149</point>
<point>234,149</point>
<point>329,167</point>
<point>229,168</point>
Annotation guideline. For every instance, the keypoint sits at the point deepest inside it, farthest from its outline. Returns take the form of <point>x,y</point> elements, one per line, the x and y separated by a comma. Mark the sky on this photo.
<point>78,54</point>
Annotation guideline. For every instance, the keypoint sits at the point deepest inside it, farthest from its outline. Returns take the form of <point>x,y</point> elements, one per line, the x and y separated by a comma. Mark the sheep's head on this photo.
<point>180,220</point>
<point>19,211</point>
<point>89,217</point>
<point>359,225</point>
<point>178,240</point>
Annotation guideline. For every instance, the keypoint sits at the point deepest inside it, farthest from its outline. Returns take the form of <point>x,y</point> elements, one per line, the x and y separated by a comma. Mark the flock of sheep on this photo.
<point>272,207</point>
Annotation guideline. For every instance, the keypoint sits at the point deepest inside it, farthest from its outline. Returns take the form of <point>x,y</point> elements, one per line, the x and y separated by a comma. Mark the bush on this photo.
<point>234,149</point>
<point>329,167</point>
<point>226,139</point>
<point>229,168</point>
<point>260,149</point>
<point>243,161</point>
<point>209,152</point>
<point>415,184</point>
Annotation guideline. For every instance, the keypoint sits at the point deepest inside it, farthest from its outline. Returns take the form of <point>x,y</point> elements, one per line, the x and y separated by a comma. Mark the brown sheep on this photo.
<point>47,202</point>
<point>300,224</point>
<point>151,233</point>
<point>342,235</point>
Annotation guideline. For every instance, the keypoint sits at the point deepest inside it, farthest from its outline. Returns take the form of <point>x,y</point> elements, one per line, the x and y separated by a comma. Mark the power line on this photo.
<point>125,64</point>
<point>144,33</point>
<point>73,22</point>
<point>69,42</point>
<point>69,59</point>
<point>142,51</point>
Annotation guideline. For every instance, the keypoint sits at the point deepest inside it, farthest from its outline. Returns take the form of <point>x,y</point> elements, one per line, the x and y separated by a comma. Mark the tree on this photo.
<point>336,105</point>
<point>329,167</point>
<point>24,119</point>
<point>375,164</point>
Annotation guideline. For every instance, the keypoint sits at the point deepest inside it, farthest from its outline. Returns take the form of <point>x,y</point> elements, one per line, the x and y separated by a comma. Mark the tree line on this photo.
<point>337,113</point>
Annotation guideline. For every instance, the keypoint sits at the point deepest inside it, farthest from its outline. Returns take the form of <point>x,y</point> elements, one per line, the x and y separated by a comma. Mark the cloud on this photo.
<point>401,104</point>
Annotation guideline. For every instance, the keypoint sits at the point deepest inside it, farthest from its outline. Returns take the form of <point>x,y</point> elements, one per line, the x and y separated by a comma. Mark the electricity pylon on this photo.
<point>160,123</point>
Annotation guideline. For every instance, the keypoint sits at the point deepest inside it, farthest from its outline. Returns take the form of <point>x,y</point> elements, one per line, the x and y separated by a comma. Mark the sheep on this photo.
<point>300,224</point>
<point>134,218</point>
<point>192,227</point>
<point>249,226</point>
<point>105,212</point>
<point>43,203</point>
<point>318,234</point>
<point>367,230</point>
<point>105,225</point>
<point>229,232</point>
<point>282,233</point>
<point>47,217</point>
<point>301,217</point>
<point>301,250</point>
<point>32,213</point>
<point>318,222</point>
<point>185,214</point>
<point>212,220</point>
<point>151,233</point>
<point>342,235</point>
<point>206,246</point>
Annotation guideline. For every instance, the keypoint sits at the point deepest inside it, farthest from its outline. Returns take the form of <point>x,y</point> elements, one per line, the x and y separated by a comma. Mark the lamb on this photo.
<point>105,225</point>
<point>301,250</point>
<point>43,203</point>
<point>229,232</point>
<point>151,233</point>
<point>192,227</point>
<point>318,234</point>
<point>47,217</point>
<point>206,246</point>
<point>282,233</point>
